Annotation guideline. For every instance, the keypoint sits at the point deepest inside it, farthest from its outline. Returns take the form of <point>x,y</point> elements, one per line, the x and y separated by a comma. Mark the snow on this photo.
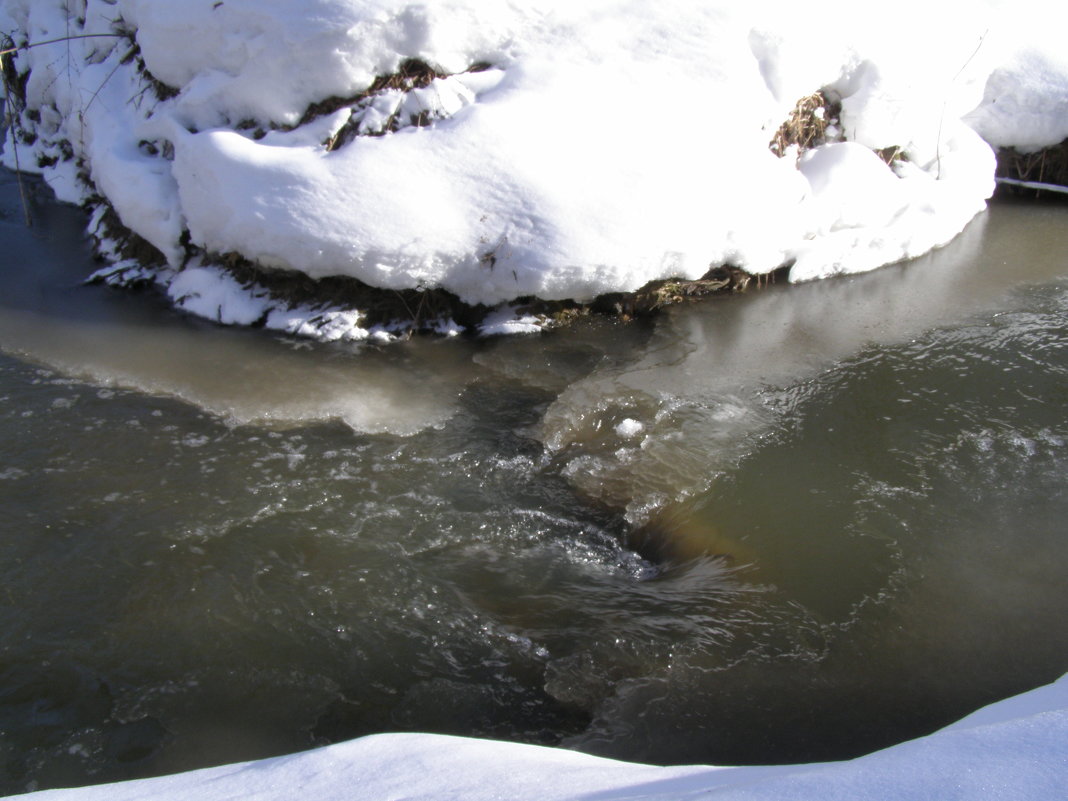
<point>1025,98</point>
<point>610,144</point>
<point>1016,748</point>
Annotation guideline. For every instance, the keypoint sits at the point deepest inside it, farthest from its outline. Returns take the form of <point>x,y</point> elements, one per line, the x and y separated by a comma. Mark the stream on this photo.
<point>797,524</point>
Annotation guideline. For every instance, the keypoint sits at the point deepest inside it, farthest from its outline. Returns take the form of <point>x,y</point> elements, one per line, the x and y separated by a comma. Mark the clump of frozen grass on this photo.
<point>416,95</point>
<point>412,74</point>
<point>813,122</point>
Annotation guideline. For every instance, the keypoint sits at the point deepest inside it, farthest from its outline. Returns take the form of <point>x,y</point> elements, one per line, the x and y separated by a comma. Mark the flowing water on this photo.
<point>798,524</point>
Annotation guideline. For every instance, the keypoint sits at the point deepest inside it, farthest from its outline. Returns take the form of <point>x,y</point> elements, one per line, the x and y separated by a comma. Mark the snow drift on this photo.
<point>1016,749</point>
<point>560,150</point>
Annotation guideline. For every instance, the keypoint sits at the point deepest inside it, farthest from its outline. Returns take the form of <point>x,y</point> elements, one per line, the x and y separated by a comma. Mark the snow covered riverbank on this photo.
<point>1017,748</point>
<point>539,149</point>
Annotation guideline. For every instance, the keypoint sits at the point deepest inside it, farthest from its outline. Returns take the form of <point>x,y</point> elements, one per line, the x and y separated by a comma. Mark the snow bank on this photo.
<point>1025,100</point>
<point>1017,748</point>
<point>610,145</point>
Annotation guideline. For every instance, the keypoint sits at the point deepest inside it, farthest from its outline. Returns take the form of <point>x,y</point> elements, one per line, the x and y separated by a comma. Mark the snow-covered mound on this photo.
<point>551,148</point>
<point>1017,748</point>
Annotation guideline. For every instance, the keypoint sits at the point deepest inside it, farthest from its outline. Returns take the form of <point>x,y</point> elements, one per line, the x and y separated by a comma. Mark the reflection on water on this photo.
<point>799,524</point>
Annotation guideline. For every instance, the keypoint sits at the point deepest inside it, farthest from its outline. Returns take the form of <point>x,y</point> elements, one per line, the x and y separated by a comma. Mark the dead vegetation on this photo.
<point>1046,166</point>
<point>808,125</point>
<point>418,309</point>
<point>161,90</point>
<point>411,74</point>
<point>656,295</point>
<point>891,155</point>
<point>815,121</point>
<point>126,243</point>
<point>421,310</point>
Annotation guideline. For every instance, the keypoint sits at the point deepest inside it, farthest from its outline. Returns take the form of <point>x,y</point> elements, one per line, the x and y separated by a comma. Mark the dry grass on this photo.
<point>419,310</point>
<point>892,154</point>
<point>657,295</point>
<point>162,90</point>
<point>1049,165</point>
<point>129,244</point>
<point>412,74</point>
<point>815,117</point>
<point>807,125</point>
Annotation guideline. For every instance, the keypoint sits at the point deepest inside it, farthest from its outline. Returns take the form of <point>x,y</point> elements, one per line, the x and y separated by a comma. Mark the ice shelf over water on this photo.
<point>565,150</point>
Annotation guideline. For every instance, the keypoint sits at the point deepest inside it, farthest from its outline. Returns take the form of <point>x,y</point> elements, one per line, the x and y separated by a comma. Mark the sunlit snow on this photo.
<point>610,144</point>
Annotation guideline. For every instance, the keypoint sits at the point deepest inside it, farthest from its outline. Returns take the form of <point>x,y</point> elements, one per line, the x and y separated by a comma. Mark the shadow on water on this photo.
<point>798,524</point>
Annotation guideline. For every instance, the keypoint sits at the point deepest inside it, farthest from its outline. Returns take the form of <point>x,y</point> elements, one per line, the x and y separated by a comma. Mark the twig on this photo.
<point>411,314</point>
<point>941,118</point>
<point>70,81</point>
<point>108,78</point>
<point>10,120</point>
<point>22,189</point>
<point>12,125</point>
<point>61,39</point>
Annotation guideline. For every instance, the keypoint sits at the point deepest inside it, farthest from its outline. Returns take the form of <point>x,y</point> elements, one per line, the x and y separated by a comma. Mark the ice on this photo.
<point>509,320</point>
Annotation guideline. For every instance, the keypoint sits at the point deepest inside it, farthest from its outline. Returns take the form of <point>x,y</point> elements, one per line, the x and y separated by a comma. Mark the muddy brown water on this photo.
<point>798,524</point>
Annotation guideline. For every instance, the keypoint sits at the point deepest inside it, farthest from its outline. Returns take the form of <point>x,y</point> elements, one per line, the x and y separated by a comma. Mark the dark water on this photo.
<point>800,524</point>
